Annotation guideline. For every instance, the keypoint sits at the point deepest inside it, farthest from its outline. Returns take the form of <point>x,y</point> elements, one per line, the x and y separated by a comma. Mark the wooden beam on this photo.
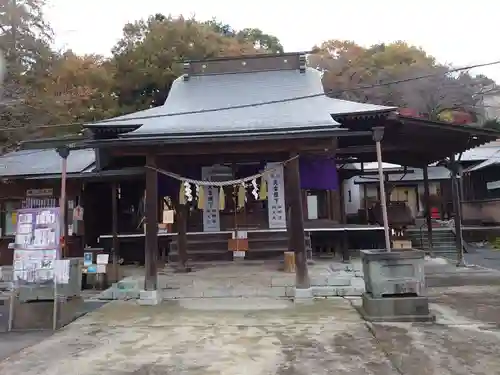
<point>218,148</point>
<point>151,250</point>
<point>351,150</point>
<point>296,220</point>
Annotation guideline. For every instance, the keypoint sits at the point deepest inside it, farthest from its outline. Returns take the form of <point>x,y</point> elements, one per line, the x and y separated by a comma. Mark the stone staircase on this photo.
<point>206,247</point>
<point>443,240</point>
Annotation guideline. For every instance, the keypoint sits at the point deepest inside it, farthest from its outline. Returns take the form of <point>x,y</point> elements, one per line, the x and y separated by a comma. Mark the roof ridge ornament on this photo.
<point>302,62</point>
<point>187,70</point>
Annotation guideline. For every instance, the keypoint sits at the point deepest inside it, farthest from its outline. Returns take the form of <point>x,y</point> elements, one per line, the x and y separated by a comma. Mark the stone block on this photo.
<point>127,284</point>
<point>283,281</point>
<point>245,291</point>
<point>356,292</point>
<point>303,296</point>
<point>168,294</point>
<point>401,309</point>
<point>338,280</point>
<point>345,291</point>
<point>149,297</point>
<point>39,314</point>
<point>324,291</point>
<point>106,295</point>
<point>278,291</point>
<point>341,291</point>
<point>319,280</point>
<point>119,294</point>
<point>133,294</point>
<point>217,293</point>
<point>396,272</point>
<point>358,282</point>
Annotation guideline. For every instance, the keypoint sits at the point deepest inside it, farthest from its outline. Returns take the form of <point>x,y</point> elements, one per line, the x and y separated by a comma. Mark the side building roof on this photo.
<point>40,162</point>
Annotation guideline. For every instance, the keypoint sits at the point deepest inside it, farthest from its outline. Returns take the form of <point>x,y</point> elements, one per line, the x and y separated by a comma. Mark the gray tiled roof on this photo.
<point>340,107</point>
<point>487,151</point>
<point>225,90</point>
<point>41,162</point>
<point>435,173</point>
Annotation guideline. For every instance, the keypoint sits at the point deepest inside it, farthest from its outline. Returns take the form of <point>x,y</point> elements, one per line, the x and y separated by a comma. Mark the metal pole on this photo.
<point>378,134</point>
<point>64,153</point>
<point>428,207</point>
<point>457,208</point>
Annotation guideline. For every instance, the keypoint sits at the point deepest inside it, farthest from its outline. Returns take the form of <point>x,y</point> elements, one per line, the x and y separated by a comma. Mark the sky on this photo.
<point>459,33</point>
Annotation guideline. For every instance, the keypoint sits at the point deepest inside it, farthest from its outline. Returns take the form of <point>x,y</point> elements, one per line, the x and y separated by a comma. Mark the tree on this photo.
<point>78,89</point>
<point>24,38</point>
<point>348,66</point>
<point>261,41</point>
<point>148,56</point>
<point>25,41</point>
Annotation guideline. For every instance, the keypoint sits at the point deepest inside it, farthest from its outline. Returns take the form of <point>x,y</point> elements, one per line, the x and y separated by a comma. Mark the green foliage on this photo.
<point>47,87</point>
<point>347,65</point>
<point>147,58</point>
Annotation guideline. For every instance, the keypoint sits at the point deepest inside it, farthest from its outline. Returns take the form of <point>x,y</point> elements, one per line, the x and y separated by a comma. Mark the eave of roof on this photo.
<point>92,175</point>
<point>210,138</point>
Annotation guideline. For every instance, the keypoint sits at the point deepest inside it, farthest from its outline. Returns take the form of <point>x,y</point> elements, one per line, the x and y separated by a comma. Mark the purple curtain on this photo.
<point>318,173</point>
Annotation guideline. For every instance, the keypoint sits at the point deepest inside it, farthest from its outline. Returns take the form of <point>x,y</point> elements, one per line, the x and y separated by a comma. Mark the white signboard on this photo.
<point>36,245</point>
<point>211,217</point>
<point>276,196</point>
<point>33,266</point>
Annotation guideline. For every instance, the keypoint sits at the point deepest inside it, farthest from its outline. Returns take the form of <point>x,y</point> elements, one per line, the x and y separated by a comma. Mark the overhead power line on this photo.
<point>285,100</point>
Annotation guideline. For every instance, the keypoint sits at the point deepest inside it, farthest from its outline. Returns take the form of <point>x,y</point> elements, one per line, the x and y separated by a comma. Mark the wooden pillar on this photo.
<point>296,227</point>
<point>151,251</point>
<point>288,210</point>
<point>365,202</point>
<point>427,207</point>
<point>329,205</point>
<point>344,240</point>
<point>114,227</point>
<point>182,218</point>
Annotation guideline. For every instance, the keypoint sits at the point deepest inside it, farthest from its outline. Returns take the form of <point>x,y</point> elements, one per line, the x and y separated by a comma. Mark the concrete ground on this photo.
<point>263,335</point>
<point>485,257</point>
<point>270,336</point>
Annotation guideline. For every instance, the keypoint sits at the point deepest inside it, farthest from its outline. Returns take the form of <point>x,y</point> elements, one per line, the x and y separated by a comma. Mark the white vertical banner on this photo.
<point>211,216</point>
<point>276,196</point>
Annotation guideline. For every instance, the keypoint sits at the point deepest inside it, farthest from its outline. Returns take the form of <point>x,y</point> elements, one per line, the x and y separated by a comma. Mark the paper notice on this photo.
<point>102,258</point>
<point>168,217</point>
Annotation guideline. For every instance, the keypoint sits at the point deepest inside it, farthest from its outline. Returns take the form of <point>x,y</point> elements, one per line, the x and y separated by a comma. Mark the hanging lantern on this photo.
<point>201,196</point>
<point>241,195</point>
<point>263,188</point>
<point>222,199</point>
